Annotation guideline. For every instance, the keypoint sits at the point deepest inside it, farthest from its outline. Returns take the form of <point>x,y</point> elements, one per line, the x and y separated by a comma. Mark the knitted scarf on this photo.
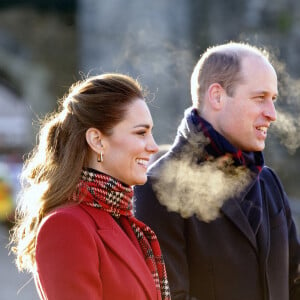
<point>104,192</point>
<point>216,146</point>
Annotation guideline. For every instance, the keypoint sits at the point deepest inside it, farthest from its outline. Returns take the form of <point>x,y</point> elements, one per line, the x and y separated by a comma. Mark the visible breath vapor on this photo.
<point>287,125</point>
<point>201,189</point>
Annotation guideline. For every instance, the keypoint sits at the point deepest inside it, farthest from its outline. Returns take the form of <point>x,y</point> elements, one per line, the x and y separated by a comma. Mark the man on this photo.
<point>221,216</point>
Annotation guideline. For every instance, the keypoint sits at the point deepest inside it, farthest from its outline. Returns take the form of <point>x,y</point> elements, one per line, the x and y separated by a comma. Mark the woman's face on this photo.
<point>127,151</point>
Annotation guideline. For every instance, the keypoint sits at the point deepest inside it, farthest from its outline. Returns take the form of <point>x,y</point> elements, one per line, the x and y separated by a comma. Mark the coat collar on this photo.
<point>117,241</point>
<point>232,210</point>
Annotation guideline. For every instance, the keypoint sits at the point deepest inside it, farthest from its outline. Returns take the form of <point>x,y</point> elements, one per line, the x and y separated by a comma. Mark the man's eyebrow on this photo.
<point>263,92</point>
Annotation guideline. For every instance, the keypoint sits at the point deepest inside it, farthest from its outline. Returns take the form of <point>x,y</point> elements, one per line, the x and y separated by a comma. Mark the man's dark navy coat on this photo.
<point>222,259</point>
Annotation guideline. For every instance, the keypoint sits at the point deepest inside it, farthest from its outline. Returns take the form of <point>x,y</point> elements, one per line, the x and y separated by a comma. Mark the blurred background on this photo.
<point>45,46</point>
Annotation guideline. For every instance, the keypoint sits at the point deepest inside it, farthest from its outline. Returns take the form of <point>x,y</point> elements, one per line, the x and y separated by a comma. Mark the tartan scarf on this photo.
<point>107,193</point>
<point>211,144</point>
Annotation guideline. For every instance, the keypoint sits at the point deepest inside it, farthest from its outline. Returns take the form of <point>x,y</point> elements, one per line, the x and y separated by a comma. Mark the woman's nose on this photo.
<point>151,145</point>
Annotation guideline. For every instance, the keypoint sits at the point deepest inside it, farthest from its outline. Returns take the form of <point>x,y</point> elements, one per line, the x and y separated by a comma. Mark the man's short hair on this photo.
<point>221,64</point>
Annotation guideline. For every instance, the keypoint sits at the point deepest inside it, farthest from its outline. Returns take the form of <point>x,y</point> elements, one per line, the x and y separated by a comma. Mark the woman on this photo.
<point>75,230</point>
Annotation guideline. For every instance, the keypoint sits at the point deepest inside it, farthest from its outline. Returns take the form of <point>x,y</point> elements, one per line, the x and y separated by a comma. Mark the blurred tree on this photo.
<point>42,5</point>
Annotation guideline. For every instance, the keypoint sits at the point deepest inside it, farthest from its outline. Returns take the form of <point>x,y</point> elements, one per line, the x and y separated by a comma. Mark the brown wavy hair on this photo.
<point>52,170</point>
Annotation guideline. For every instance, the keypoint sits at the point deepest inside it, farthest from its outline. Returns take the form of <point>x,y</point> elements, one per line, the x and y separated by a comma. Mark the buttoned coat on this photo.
<point>222,259</point>
<point>82,253</point>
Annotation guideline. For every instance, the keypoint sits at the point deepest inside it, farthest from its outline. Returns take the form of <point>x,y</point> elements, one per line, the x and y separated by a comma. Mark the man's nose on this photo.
<point>270,111</point>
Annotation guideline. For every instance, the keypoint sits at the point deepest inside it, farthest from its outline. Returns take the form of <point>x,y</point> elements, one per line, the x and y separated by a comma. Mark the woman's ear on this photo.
<point>93,137</point>
<point>215,96</point>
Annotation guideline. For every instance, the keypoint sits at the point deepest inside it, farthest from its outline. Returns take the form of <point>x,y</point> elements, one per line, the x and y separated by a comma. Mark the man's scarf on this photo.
<point>209,144</point>
<point>104,192</point>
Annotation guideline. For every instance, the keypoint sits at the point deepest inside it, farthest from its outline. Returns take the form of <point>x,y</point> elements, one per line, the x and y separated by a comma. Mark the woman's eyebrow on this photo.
<point>142,125</point>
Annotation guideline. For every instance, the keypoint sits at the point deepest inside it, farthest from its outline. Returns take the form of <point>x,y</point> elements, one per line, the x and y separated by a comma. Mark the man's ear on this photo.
<point>93,137</point>
<point>215,94</point>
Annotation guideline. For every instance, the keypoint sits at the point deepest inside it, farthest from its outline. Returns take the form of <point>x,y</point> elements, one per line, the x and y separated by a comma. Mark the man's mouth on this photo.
<point>263,129</point>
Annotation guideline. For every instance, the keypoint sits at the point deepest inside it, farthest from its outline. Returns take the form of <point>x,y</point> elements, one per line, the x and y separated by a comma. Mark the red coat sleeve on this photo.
<point>67,259</point>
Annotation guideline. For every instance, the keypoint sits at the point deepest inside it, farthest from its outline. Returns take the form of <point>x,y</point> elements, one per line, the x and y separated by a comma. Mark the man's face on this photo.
<point>246,116</point>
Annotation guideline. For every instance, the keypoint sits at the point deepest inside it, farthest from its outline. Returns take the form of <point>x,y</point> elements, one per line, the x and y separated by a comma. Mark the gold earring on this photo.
<point>100,157</point>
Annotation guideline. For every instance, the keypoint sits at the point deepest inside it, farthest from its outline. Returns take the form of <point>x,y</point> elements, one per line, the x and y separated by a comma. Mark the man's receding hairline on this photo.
<point>239,48</point>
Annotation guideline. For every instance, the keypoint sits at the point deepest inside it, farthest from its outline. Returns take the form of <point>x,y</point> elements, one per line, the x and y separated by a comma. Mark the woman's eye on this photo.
<point>143,133</point>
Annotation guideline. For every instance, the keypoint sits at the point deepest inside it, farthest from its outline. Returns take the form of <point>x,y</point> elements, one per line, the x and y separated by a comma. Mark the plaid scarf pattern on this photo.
<point>104,192</point>
<point>217,146</point>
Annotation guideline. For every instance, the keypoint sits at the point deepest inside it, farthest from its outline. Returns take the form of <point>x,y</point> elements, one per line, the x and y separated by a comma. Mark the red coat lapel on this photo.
<point>118,242</point>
